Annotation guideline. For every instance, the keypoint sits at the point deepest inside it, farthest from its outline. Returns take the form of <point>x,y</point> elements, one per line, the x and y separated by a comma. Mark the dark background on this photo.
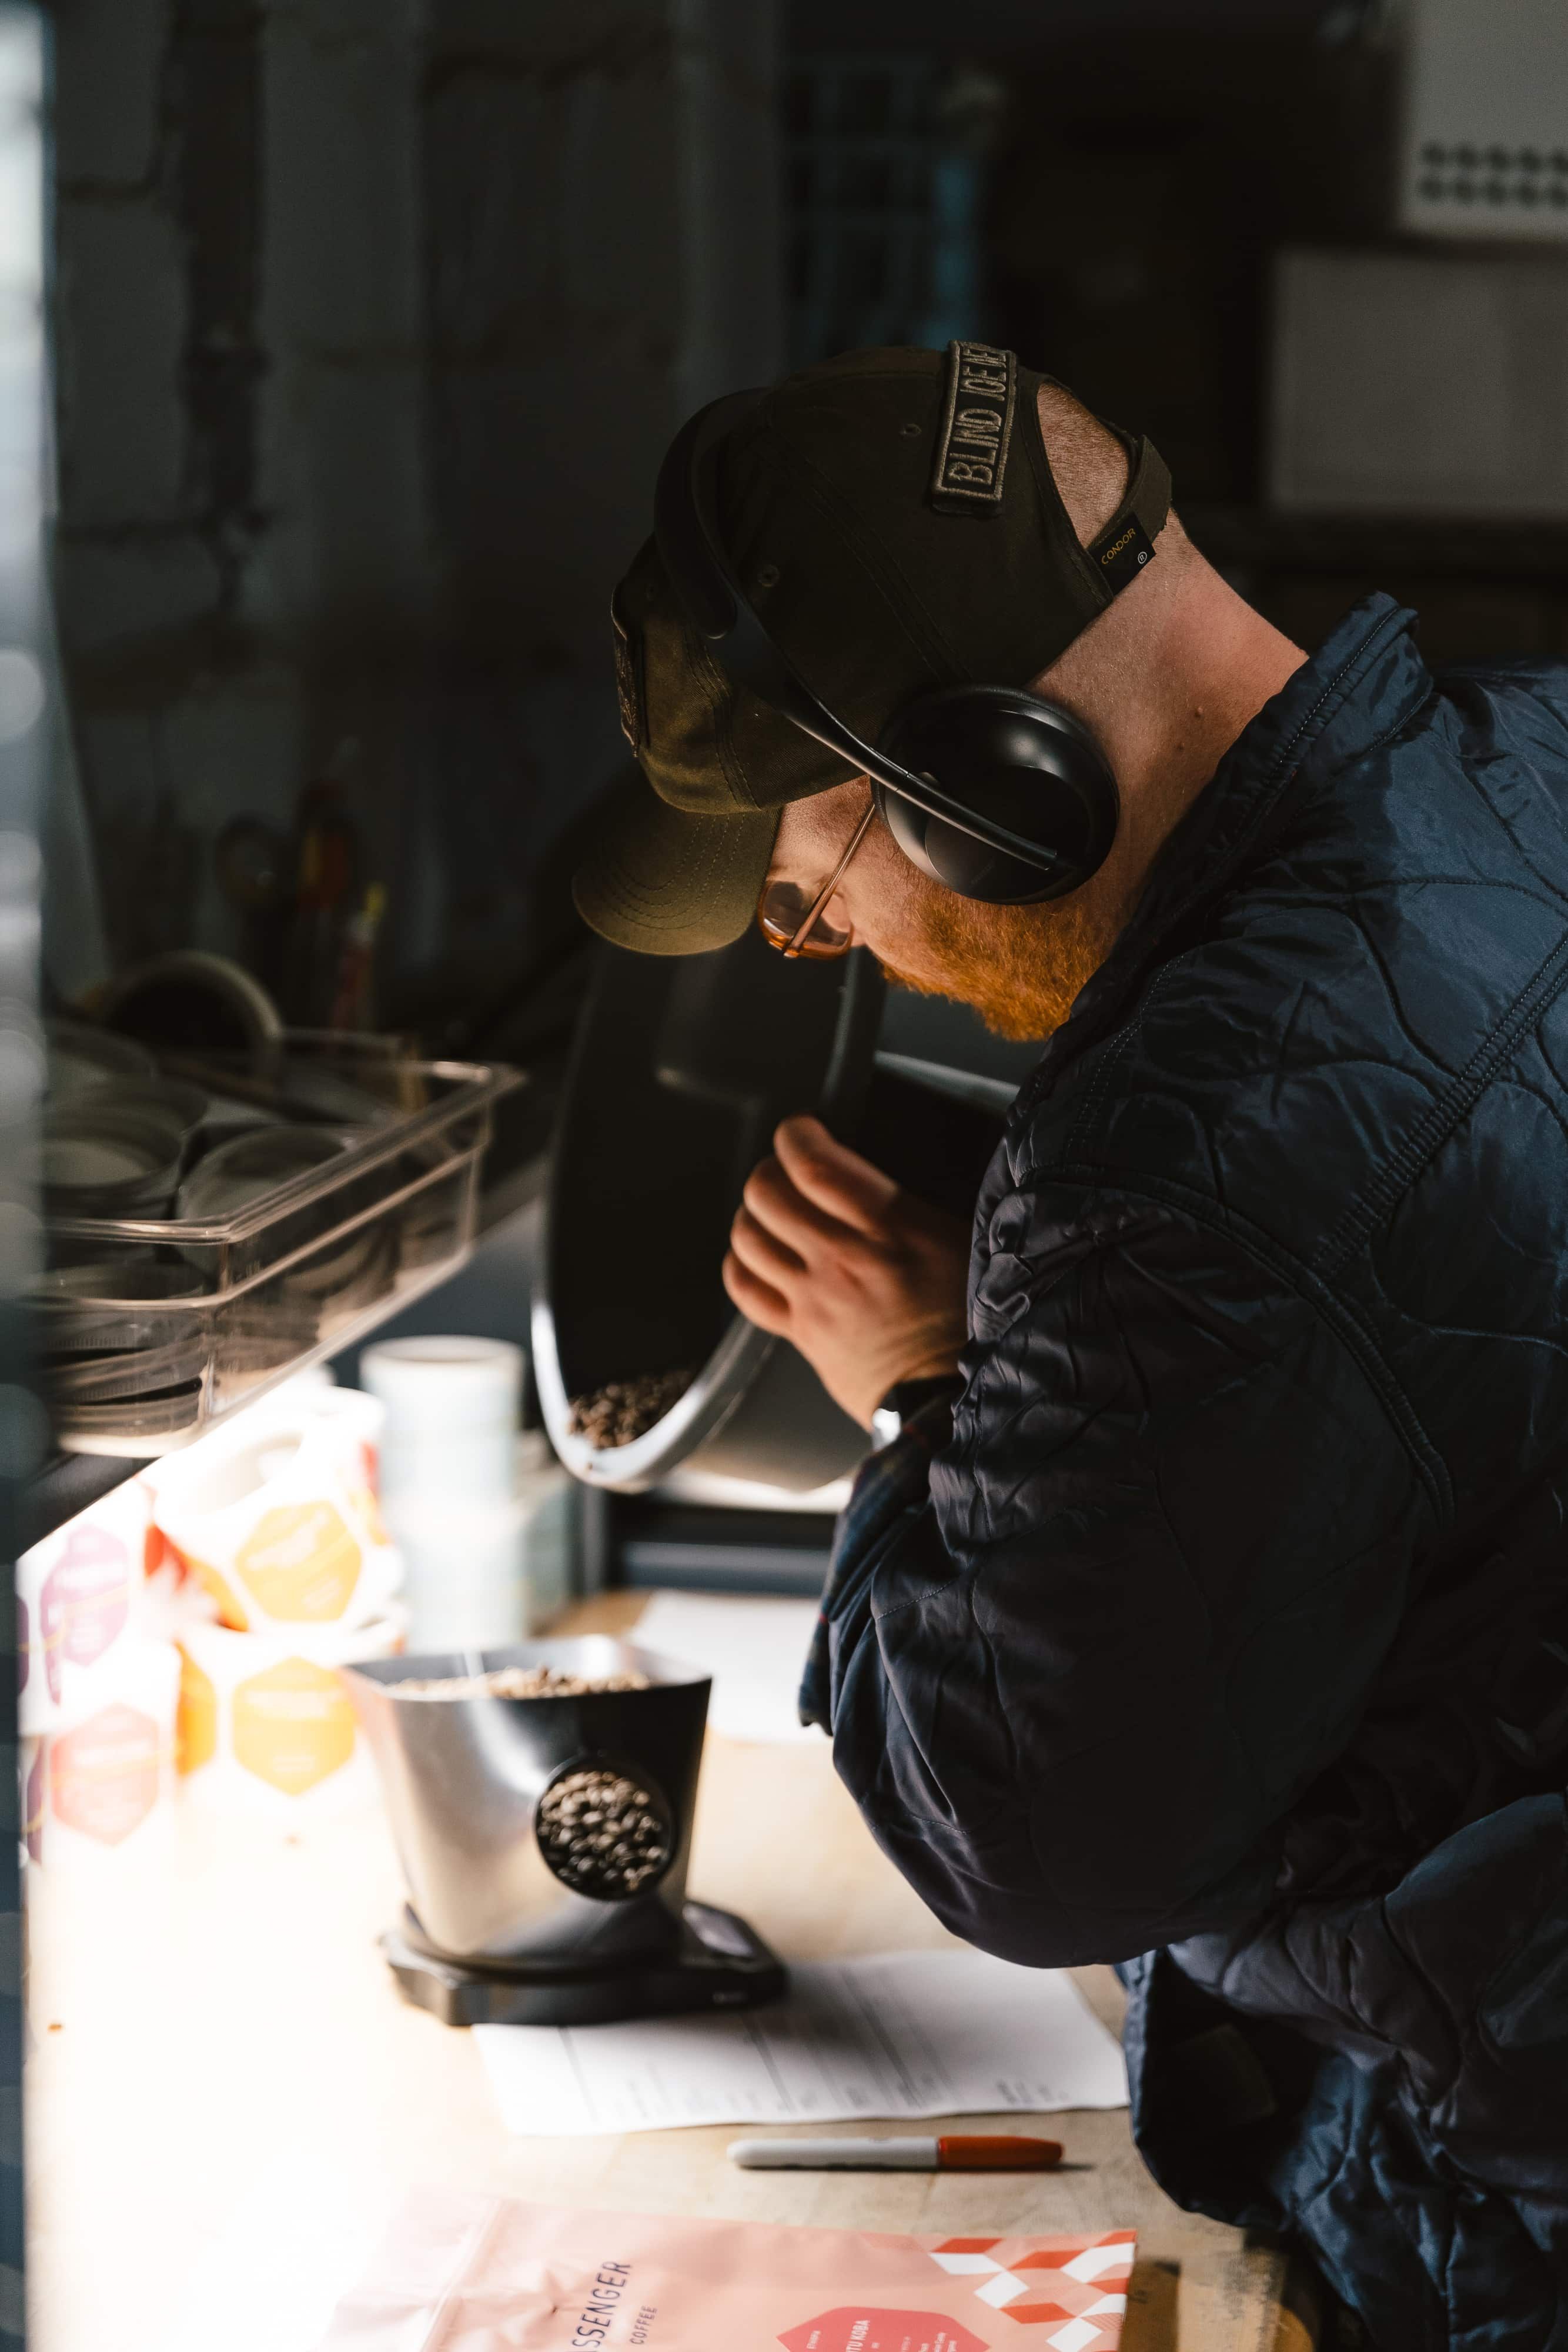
<point>372,320</point>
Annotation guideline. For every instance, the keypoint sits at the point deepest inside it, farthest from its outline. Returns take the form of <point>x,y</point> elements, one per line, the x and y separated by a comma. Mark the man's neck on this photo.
<point>1186,691</point>
<point>1218,662</point>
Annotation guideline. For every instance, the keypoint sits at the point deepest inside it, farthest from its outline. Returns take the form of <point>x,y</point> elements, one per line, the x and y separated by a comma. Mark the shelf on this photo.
<point>72,1480</point>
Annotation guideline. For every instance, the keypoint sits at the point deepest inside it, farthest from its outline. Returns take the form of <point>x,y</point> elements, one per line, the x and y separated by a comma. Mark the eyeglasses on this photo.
<point>798,926</point>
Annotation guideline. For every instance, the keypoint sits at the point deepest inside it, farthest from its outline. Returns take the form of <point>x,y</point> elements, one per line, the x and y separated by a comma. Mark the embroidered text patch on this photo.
<point>976,425</point>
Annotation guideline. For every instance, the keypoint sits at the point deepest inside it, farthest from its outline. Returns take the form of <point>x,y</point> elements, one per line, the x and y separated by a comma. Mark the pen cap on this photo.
<point>997,2153</point>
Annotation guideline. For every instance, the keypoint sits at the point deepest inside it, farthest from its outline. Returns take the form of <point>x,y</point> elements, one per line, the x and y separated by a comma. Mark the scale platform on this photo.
<point>719,1963</point>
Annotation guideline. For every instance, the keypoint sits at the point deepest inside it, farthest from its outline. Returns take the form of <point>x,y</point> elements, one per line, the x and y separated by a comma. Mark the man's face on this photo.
<point>1020,967</point>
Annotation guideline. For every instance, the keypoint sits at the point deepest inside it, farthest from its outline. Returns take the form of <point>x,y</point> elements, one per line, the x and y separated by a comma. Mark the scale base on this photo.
<point>719,1963</point>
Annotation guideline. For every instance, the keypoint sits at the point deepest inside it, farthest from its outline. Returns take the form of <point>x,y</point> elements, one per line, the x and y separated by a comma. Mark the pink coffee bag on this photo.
<point>470,2274</point>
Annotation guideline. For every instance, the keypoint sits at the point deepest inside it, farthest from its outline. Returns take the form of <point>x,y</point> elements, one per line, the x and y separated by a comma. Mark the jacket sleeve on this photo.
<point>1078,1665</point>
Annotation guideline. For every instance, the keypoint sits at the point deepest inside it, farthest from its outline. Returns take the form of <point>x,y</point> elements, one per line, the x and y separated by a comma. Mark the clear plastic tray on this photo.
<point>147,1329</point>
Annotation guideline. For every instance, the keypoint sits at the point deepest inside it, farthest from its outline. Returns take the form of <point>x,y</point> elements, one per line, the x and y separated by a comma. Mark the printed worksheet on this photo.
<point>754,1647</point>
<point>900,2035</point>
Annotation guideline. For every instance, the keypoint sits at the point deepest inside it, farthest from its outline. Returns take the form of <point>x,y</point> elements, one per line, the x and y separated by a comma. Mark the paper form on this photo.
<point>900,2035</point>
<point>754,1649</point>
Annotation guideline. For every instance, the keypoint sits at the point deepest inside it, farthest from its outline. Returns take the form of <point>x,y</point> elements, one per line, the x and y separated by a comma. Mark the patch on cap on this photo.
<point>976,425</point>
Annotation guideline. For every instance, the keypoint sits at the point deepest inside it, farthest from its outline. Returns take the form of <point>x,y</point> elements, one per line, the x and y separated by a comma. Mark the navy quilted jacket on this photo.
<point>1223,1628</point>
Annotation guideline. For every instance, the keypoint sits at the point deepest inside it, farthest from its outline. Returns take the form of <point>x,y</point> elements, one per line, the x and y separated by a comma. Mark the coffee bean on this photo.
<point>520,1681</point>
<point>623,1410</point>
<point>601,1833</point>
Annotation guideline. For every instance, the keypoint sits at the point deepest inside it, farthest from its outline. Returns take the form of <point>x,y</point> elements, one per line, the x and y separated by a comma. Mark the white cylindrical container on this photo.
<point>265,1723</point>
<point>452,1410</point>
<point>463,1573</point>
<point>549,1500</point>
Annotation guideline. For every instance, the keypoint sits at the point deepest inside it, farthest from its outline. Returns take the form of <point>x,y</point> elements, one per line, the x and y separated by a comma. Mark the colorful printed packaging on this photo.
<point>277,1521</point>
<point>103,1783</point>
<point>77,1604</point>
<point>473,2274</point>
<point>265,1722</point>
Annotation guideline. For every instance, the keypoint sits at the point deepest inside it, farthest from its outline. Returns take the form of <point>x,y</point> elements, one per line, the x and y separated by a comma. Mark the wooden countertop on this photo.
<point>202,2013</point>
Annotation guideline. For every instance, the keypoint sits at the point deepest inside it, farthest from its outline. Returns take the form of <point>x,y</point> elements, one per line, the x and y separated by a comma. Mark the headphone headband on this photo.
<point>690,547</point>
<point>692,550</point>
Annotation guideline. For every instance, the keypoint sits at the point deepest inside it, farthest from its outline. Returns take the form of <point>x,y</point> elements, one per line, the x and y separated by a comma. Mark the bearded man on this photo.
<point>1207,1612</point>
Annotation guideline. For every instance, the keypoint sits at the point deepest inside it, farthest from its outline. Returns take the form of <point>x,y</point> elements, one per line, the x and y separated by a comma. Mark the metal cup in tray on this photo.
<point>277,1239</point>
<point>132,1425</point>
<point>127,1372</point>
<point>280,1318</point>
<point>116,1342</point>
<point>245,1170</point>
<point>250,1165</point>
<point>104,1306</point>
<point>347,1273</point>
<point>100,1160</point>
<point>80,1058</point>
<point>173,1103</point>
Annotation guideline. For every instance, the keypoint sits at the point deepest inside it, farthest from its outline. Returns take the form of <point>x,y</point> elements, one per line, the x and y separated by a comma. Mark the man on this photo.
<point>1210,1611</point>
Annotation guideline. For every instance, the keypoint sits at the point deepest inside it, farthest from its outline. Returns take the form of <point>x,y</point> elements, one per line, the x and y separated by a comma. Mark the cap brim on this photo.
<point>666,882</point>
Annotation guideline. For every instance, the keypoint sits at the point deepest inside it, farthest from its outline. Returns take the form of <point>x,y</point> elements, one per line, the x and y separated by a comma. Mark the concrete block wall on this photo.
<point>340,468</point>
<point>372,319</point>
<point>602,227</point>
<point>155,267</point>
<point>604,231</point>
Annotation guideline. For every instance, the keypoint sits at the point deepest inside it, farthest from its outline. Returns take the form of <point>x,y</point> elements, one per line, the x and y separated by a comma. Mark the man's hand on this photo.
<point>866,1280</point>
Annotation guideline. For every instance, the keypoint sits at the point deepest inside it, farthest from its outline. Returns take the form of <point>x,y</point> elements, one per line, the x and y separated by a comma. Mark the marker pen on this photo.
<point>950,2153</point>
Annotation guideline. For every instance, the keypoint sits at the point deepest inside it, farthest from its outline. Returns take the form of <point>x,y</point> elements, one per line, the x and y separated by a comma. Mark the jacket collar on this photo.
<point>1365,680</point>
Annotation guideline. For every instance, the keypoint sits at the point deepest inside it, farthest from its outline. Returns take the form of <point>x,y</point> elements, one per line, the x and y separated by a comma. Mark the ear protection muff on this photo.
<point>1027,765</point>
<point>995,793</point>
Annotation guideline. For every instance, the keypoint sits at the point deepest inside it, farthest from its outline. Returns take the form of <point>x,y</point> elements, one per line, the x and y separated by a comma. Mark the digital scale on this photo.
<point>544,1838</point>
<point>719,1963</point>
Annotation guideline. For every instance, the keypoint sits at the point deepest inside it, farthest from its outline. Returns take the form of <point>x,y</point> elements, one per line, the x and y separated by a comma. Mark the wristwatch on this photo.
<point>904,1399</point>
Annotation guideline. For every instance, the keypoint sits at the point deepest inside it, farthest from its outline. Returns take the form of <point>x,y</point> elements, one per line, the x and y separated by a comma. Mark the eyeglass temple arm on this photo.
<point>804,929</point>
<point>802,710</point>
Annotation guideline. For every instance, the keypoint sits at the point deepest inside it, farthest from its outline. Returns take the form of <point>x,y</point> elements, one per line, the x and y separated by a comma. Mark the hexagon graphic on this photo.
<point>103,1776</point>
<point>859,2328</point>
<point>40,1637</point>
<point>196,1725</point>
<point>89,1586</point>
<point>300,1563</point>
<point>293,1726</point>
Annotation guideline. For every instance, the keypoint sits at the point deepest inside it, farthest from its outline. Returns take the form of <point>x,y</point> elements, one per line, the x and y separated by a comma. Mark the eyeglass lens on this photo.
<point>784,907</point>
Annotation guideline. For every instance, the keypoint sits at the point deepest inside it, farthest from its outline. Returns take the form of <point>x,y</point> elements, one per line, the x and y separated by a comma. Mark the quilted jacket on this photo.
<point>1219,1625</point>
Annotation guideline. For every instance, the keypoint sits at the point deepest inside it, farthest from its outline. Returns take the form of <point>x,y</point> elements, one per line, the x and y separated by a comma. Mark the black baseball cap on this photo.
<point>892,517</point>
